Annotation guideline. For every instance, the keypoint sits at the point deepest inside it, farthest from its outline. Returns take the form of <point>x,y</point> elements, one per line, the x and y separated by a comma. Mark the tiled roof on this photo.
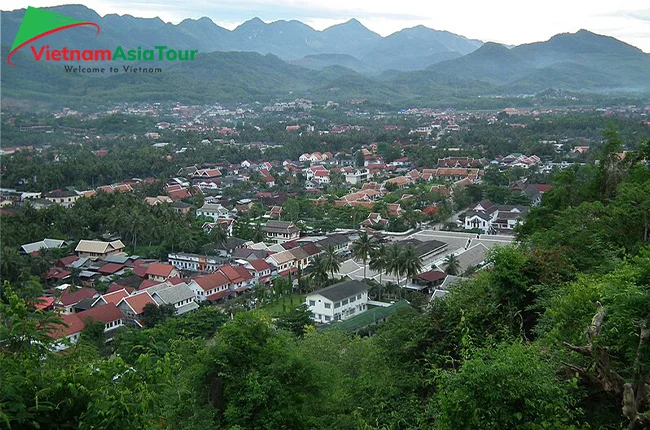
<point>105,313</point>
<point>139,301</point>
<point>211,281</point>
<point>68,299</point>
<point>159,269</point>
<point>342,290</point>
<point>110,268</point>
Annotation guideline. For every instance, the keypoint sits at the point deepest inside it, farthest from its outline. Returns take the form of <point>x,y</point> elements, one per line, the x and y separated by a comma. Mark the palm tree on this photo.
<point>411,262</point>
<point>452,265</point>
<point>187,242</point>
<point>331,260</point>
<point>319,271</point>
<point>362,248</point>
<point>379,263</point>
<point>218,235</point>
<point>393,261</point>
<point>258,233</point>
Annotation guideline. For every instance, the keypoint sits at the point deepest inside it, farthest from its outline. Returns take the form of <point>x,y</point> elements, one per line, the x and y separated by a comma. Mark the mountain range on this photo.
<point>258,60</point>
<point>409,49</point>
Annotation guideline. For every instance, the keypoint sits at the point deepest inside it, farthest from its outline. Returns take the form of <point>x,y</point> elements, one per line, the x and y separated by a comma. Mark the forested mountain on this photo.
<point>579,61</point>
<point>342,62</point>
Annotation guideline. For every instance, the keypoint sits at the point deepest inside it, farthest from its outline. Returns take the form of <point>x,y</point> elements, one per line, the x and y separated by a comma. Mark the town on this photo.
<point>395,208</point>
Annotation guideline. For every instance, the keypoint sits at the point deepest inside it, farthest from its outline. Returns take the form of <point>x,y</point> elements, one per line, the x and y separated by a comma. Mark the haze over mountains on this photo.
<point>348,59</point>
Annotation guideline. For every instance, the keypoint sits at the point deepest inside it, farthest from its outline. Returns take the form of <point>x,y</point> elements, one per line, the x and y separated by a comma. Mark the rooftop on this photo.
<point>342,290</point>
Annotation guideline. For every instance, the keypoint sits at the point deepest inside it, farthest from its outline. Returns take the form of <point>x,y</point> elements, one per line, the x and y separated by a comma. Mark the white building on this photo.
<point>195,262</point>
<point>214,211</point>
<point>357,176</point>
<point>338,302</point>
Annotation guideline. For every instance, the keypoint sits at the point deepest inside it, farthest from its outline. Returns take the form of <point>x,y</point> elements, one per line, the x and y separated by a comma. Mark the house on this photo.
<point>212,287</point>
<point>478,220</point>
<point>68,298</point>
<point>281,231</point>
<point>275,212</point>
<point>400,182</point>
<point>375,220</point>
<point>42,244</point>
<point>194,262</point>
<point>321,177</point>
<point>112,297</point>
<point>260,270</point>
<point>206,174</point>
<point>180,295</point>
<point>132,307</point>
<point>56,275</point>
<point>160,272</point>
<point>338,302</point>
<point>181,207</point>
<point>109,314</point>
<point>282,261</point>
<point>490,218</point>
<point>97,249</point>
<point>427,282</point>
<point>214,211</point>
<point>356,176</point>
<point>239,278</point>
<point>535,192</point>
<point>68,332</point>
<point>64,198</point>
<point>153,201</point>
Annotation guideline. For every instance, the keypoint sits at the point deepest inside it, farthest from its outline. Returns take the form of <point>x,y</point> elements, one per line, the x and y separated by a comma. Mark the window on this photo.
<point>352,310</point>
<point>328,305</point>
<point>359,296</point>
<point>327,318</point>
<point>344,302</point>
<point>312,303</point>
<point>353,299</point>
<point>337,305</point>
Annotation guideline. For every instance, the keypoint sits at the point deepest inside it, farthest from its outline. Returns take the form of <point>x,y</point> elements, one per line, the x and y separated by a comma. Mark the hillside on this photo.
<point>577,61</point>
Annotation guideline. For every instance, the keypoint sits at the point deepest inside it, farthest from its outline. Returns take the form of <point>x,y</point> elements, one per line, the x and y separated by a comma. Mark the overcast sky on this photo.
<point>505,21</point>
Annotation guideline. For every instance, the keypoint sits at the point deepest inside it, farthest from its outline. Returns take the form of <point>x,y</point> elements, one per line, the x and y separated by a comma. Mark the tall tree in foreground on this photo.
<point>362,248</point>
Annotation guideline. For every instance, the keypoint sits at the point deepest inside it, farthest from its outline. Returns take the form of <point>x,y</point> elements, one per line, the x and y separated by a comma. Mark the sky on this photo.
<point>510,22</point>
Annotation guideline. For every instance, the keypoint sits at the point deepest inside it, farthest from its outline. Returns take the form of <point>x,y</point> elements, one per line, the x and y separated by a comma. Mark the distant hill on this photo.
<point>262,62</point>
<point>492,63</point>
<point>576,61</point>
<point>321,61</point>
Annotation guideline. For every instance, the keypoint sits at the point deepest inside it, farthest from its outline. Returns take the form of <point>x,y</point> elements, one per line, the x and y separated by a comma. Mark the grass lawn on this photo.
<point>274,309</point>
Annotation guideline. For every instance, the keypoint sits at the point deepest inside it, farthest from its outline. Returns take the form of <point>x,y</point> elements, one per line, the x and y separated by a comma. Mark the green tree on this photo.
<point>379,263</point>
<point>153,314</point>
<point>332,262</point>
<point>362,248</point>
<point>411,262</point>
<point>296,320</point>
<point>527,394</point>
<point>452,265</point>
